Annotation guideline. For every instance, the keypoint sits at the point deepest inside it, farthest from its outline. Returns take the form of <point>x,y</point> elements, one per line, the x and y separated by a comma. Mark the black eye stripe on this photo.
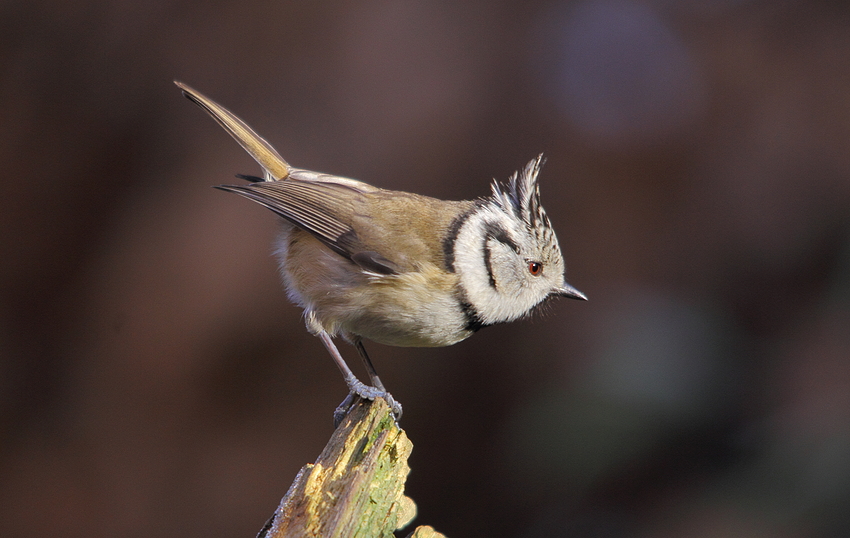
<point>451,237</point>
<point>494,230</point>
<point>489,265</point>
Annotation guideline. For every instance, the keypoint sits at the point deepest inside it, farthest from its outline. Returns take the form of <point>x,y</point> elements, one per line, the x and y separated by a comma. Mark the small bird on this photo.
<point>398,268</point>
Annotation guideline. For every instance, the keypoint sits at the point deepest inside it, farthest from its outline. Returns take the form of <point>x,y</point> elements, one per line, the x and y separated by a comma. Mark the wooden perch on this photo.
<point>356,487</point>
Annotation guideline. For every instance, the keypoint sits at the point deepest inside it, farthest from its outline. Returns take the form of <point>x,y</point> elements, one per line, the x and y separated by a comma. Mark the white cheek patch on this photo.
<point>501,263</point>
<point>488,266</point>
<point>470,266</point>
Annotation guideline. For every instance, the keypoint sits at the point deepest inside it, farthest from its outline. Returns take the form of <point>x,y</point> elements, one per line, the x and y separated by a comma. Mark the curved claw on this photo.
<point>394,404</point>
<point>360,389</point>
<point>342,409</point>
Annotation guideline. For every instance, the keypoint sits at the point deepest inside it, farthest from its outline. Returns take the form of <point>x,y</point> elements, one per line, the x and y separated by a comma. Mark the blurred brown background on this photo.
<point>155,382</point>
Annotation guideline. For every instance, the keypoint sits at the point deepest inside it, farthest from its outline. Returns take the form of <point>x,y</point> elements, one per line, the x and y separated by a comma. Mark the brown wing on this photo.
<point>323,209</point>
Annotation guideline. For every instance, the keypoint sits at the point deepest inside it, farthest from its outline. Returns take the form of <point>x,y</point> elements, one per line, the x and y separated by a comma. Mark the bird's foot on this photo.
<point>367,392</point>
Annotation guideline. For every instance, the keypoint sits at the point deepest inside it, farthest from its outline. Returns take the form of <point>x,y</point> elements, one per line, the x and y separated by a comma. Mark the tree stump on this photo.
<point>356,486</point>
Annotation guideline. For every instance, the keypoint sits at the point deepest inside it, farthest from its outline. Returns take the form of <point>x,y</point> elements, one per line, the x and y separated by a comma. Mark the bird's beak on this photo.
<point>568,291</point>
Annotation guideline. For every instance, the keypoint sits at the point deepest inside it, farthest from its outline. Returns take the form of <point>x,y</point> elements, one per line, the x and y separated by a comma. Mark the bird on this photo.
<point>398,268</point>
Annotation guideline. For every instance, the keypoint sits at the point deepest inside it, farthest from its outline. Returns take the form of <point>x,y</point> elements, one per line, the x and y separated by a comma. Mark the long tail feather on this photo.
<point>274,167</point>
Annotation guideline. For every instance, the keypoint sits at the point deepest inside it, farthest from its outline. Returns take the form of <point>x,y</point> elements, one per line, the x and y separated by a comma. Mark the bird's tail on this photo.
<point>274,167</point>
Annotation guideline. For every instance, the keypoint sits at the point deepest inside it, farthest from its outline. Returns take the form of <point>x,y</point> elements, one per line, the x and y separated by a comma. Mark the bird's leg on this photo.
<point>376,381</point>
<point>373,374</point>
<point>355,386</point>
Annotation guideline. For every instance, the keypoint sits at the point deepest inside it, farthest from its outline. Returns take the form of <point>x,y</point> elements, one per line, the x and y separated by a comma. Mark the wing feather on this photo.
<point>317,208</point>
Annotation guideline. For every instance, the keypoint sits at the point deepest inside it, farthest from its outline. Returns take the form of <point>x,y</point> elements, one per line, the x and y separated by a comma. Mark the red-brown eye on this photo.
<point>535,268</point>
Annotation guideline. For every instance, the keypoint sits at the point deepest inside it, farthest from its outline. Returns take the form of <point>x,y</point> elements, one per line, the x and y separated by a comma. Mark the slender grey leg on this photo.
<point>376,381</point>
<point>373,374</point>
<point>355,386</point>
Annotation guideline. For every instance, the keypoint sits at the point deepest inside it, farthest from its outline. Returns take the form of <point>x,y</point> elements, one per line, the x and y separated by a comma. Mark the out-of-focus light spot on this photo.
<point>618,72</point>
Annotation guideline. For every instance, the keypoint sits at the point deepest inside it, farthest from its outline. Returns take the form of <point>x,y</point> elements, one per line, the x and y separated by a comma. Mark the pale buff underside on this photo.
<point>416,308</point>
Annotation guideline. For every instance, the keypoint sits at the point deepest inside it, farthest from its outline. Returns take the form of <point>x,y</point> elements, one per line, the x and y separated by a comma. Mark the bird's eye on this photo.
<point>535,268</point>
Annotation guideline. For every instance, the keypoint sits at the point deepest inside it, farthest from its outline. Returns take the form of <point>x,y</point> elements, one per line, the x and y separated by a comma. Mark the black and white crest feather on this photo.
<point>520,196</point>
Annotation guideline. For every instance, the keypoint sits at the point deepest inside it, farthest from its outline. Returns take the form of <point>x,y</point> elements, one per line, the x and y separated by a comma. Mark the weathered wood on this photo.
<point>356,486</point>
<point>425,531</point>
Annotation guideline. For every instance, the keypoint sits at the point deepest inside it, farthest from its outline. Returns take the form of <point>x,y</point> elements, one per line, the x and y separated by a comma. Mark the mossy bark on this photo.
<point>356,486</point>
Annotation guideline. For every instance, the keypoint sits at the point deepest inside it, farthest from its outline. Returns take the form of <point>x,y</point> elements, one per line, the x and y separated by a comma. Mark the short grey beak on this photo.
<point>568,291</point>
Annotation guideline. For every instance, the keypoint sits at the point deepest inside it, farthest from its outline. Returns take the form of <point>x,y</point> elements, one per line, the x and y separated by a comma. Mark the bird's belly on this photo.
<point>408,310</point>
<point>408,329</point>
<point>412,309</point>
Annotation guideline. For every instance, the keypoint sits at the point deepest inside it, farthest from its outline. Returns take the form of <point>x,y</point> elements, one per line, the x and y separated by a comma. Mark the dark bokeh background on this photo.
<point>155,382</point>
